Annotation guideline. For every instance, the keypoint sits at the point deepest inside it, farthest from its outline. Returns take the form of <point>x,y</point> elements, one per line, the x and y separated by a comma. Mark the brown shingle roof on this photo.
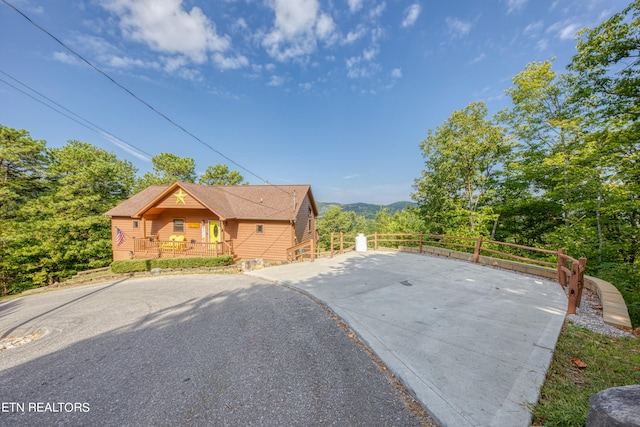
<point>261,202</point>
<point>132,205</point>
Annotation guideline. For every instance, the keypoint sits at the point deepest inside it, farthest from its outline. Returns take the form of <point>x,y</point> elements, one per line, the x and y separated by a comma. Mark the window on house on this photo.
<point>259,228</point>
<point>178,225</point>
<point>135,224</point>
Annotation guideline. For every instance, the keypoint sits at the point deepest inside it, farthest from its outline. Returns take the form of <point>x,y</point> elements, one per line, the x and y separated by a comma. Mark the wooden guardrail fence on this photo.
<point>301,251</point>
<point>570,271</point>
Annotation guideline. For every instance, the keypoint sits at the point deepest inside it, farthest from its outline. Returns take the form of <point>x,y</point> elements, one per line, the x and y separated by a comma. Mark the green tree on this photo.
<point>64,229</point>
<point>607,65</point>
<point>538,192</point>
<point>22,162</point>
<point>335,220</point>
<point>167,169</point>
<point>607,88</point>
<point>221,175</point>
<point>461,158</point>
<point>407,220</point>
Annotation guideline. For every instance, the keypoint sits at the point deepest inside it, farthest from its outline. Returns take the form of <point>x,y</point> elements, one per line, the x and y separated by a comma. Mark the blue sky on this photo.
<point>337,94</point>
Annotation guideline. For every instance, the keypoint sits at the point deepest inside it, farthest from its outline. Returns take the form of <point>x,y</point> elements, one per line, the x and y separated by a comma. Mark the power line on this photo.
<point>136,97</point>
<point>93,127</point>
<point>89,125</point>
<point>80,120</point>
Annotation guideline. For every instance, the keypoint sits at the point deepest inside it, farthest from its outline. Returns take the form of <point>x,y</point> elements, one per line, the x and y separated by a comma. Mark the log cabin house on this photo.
<point>183,219</point>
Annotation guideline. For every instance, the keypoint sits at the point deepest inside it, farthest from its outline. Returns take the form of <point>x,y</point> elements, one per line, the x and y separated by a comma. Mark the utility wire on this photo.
<point>80,120</point>
<point>115,139</point>
<point>136,97</point>
<point>93,127</point>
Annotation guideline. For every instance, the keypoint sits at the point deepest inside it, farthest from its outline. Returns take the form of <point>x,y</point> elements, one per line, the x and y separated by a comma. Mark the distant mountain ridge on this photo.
<point>366,210</point>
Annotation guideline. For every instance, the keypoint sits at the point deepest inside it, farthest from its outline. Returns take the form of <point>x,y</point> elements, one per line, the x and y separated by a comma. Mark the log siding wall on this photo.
<point>125,224</point>
<point>271,244</point>
<point>302,230</point>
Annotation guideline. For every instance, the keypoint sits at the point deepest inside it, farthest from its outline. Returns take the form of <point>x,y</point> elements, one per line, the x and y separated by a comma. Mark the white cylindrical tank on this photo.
<point>361,243</point>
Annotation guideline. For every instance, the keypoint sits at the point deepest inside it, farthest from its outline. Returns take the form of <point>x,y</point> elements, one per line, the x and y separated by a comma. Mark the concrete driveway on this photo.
<point>186,350</point>
<point>472,342</point>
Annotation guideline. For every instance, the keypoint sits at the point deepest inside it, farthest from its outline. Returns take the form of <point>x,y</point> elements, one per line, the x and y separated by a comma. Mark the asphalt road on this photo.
<point>186,350</point>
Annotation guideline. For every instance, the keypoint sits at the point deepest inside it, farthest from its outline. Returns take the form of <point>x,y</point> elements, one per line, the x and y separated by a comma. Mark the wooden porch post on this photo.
<point>313,249</point>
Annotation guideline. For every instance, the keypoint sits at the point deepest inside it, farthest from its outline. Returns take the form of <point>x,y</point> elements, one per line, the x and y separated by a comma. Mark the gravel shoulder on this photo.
<point>589,315</point>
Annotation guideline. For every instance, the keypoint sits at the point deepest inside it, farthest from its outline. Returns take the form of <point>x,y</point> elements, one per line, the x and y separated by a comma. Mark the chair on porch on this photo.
<point>167,246</point>
<point>177,243</point>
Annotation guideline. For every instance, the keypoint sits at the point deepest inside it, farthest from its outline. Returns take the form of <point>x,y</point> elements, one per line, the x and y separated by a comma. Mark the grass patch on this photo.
<point>610,362</point>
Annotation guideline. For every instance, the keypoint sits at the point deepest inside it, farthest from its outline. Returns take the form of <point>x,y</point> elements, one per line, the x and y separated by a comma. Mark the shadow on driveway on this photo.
<point>472,342</point>
<point>188,350</point>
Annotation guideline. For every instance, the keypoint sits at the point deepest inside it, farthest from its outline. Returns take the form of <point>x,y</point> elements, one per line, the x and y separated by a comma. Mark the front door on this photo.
<point>215,232</point>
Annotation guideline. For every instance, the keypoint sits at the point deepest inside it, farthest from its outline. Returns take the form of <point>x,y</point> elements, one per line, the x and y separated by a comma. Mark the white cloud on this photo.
<point>66,58</point>
<point>362,66</point>
<point>533,28</point>
<point>515,5</point>
<point>275,81</point>
<point>411,15</point>
<point>396,73</point>
<point>376,12</point>
<point>355,5</point>
<point>298,26</point>
<point>106,54</point>
<point>174,63</point>
<point>325,27</point>
<point>295,17</point>
<point>370,53</point>
<point>354,68</point>
<point>166,27</point>
<point>241,24</point>
<point>542,45</point>
<point>125,146</point>
<point>96,45</point>
<point>564,30</point>
<point>128,62</point>
<point>458,28</point>
<point>377,34</point>
<point>478,58</point>
<point>230,63</point>
<point>353,36</point>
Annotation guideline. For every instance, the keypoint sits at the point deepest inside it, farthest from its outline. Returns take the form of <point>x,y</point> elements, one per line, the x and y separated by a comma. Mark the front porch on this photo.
<point>177,247</point>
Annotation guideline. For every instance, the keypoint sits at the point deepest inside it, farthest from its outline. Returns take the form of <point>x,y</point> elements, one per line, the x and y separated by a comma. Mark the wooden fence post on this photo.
<point>341,242</point>
<point>420,243</point>
<point>562,262</point>
<point>476,251</point>
<point>582,262</point>
<point>573,288</point>
<point>331,251</point>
